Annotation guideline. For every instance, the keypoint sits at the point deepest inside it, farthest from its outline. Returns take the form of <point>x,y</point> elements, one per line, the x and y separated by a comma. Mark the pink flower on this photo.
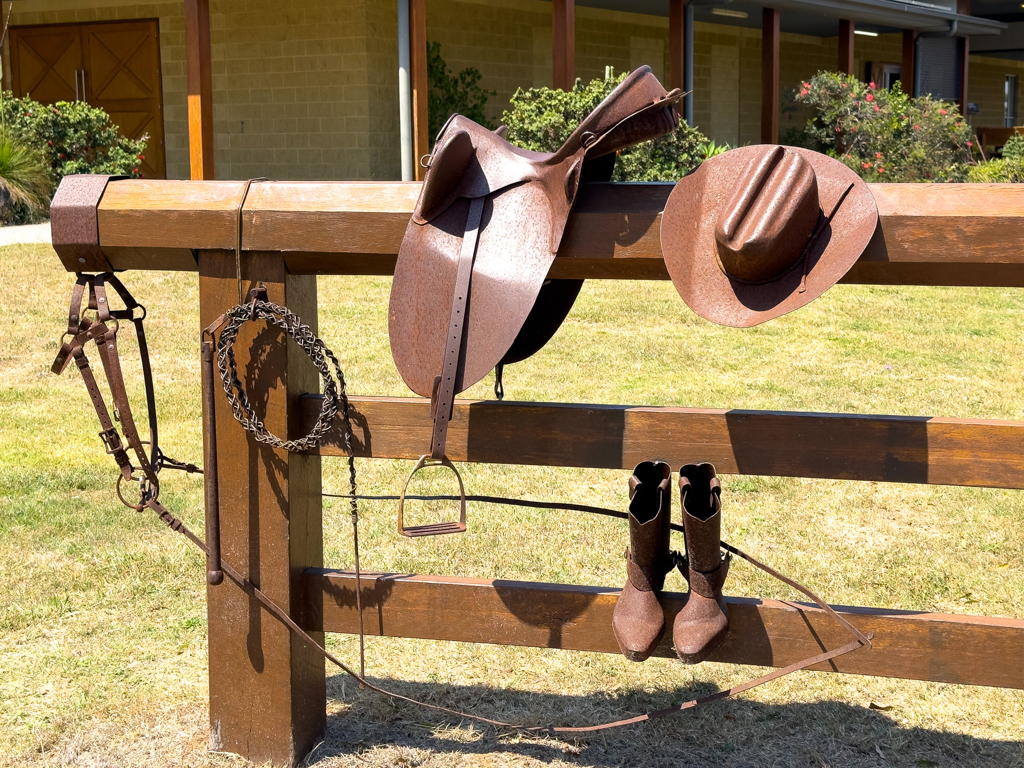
<point>803,92</point>
<point>957,124</point>
<point>871,85</point>
<point>881,169</point>
<point>142,157</point>
<point>877,108</point>
<point>943,112</point>
<point>869,97</point>
<point>867,165</point>
<point>970,143</point>
<point>917,127</point>
<point>844,85</point>
<point>878,155</point>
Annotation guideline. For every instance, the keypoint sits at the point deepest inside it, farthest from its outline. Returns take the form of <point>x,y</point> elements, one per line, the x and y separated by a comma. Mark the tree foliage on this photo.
<point>25,185</point>
<point>541,119</point>
<point>449,93</point>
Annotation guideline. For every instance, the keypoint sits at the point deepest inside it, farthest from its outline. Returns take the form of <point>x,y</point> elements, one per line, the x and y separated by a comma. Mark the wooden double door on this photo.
<point>112,65</point>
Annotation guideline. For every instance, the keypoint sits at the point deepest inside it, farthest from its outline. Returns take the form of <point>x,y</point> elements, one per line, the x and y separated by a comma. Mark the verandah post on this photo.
<point>267,687</point>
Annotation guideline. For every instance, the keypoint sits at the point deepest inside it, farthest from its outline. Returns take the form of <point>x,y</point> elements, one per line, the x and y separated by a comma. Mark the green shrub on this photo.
<point>886,135</point>
<point>541,119</point>
<point>25,185</point>
<point>72,136</point>
<point>1013,149</point>
<point>449,94</point>
<point>1004,170</point>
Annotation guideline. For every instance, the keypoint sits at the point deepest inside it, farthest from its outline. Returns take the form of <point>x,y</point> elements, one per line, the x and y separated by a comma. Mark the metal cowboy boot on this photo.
<point>703,622</point>
<point>638,620</point>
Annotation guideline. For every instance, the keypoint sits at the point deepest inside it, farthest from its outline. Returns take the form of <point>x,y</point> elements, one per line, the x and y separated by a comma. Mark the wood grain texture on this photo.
<point>972,650</point>
<point>267,687</point>
<point>929,234</point>
<point>904,449</point>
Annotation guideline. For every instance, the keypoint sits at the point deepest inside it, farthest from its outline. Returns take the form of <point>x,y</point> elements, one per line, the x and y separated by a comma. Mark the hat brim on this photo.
<point>688,240</point>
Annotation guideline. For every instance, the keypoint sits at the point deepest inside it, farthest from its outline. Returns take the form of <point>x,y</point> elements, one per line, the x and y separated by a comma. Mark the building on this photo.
<point>309,89</point>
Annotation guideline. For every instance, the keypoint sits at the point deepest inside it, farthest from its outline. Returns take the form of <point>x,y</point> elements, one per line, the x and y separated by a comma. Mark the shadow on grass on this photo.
<point>734,732</point>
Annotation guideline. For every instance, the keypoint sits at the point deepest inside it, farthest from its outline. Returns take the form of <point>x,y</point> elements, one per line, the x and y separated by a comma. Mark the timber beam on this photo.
<point>929,234</point>
<point>899,449</point>
<point>915,645</point>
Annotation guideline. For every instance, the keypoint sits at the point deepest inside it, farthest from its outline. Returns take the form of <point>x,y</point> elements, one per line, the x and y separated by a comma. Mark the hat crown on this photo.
<point>763,230</point>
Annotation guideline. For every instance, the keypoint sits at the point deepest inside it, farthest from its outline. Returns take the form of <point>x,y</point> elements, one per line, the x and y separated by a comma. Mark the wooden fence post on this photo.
<point>267,687</point>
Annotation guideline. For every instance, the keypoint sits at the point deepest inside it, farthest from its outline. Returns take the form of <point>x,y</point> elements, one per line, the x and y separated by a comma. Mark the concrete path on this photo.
<point>26,233</point>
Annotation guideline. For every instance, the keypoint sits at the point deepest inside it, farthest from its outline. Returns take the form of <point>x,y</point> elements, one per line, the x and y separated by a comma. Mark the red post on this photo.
<point>677,42</point>
<point>418,76</point>
<point>845,64</point>
<point>770,75</point>
<point>200,88</point>
<point>563,43</point>
<point>907,68</point>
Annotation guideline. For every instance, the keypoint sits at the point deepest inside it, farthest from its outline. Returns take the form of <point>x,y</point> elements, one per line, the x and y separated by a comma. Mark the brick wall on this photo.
<point>307,89</point>
<point>302,89</point>
<point>987,78</point>
<point>172,56</point>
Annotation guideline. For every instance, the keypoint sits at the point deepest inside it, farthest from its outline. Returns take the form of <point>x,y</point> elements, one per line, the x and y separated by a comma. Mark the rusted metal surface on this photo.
<point>760,231</point>
<point>520,203</point>
<point>74,222</point>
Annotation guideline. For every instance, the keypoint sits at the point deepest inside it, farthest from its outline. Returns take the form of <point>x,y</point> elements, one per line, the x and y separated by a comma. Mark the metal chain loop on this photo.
<point>323,359</point>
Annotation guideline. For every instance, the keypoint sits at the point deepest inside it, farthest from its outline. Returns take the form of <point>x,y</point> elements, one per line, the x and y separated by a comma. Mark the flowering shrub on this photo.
<point>886,135</point>
<point>73,137</point>
<point>541,119</point>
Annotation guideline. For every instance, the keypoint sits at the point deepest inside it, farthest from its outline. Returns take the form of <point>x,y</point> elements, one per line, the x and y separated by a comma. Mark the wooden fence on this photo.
<point>267,689</point>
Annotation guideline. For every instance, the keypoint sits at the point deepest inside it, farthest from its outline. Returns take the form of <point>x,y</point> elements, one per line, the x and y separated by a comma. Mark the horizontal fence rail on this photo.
<point>971,650</point>
<point>903,449</point>
<point>929,234</point>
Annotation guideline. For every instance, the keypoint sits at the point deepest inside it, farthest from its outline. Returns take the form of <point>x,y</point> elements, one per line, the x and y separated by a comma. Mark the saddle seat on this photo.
<point>526,200</point>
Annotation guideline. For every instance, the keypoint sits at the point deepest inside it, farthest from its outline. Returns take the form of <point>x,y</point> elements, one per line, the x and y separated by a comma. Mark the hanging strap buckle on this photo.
<point>433,529</point>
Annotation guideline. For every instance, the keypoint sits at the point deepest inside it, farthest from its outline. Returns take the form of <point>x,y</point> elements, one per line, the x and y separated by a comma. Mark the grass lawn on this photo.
<point>103,618</point>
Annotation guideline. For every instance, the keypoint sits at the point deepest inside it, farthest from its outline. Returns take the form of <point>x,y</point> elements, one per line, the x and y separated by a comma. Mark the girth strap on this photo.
<point>451,370</point>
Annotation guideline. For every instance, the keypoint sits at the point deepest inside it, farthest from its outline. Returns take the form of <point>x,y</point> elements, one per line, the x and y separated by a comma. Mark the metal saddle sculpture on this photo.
<point>482,238</point>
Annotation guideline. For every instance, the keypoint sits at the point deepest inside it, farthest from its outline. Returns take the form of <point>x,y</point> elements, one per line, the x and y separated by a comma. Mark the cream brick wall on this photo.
<point>307,89</point>
<point>172,55</point>
<point>302,89</point>
<point>987,78</point>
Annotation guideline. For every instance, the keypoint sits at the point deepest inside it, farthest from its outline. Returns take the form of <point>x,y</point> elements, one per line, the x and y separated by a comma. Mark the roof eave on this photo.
<point>900,15</point>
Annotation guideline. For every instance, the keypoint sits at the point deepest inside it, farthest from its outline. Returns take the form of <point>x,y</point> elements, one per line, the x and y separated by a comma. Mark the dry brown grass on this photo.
<point>102,620</point>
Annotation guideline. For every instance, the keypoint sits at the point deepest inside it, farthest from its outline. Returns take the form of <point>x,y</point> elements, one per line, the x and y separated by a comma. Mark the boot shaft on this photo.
<point>650,513</point>
<point>700,497</point>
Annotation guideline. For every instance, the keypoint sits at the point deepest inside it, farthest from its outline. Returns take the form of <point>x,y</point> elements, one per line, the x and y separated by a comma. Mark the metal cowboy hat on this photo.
<point>759,231</point>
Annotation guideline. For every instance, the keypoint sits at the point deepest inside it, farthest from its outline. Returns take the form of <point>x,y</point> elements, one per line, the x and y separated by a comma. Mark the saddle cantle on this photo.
<point>482,238</point>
